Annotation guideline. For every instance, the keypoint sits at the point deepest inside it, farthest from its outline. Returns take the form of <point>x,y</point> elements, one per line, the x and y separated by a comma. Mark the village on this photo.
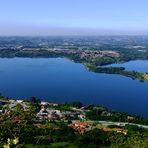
<point>74,115</point>
<point>61,123</point>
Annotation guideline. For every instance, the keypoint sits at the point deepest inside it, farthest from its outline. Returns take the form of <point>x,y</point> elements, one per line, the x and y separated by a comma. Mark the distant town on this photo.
<point>32,122</point>
<point>93,52</point>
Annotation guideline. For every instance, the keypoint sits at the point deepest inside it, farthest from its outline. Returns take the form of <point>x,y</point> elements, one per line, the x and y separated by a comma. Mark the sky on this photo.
<point>73,17</point>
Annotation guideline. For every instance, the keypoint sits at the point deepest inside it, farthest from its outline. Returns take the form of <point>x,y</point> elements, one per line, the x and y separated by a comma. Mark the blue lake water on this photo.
<point>137,65</point>
<point>60,80</point>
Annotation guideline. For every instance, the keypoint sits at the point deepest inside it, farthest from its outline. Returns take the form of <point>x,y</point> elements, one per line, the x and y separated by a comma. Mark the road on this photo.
<point>120,123</point>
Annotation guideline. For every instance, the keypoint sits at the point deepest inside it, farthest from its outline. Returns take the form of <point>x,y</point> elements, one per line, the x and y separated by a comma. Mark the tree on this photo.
<point>76,104</point>
<point>94,138</point>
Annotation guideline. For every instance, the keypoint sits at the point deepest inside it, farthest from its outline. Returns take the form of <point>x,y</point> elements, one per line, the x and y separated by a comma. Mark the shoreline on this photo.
<point>94,67</point>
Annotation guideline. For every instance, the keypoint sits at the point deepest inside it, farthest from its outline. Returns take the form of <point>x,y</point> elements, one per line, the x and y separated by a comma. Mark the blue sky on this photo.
<point>73,17</point>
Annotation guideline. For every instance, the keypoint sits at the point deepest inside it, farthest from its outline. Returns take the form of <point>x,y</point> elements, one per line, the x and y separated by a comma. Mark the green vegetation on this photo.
<point>91,51</point>
<point>91,60</point>
<point>53,145</point>
<point>103,114</point>
<point>20,128</point>
<point>118,70</point>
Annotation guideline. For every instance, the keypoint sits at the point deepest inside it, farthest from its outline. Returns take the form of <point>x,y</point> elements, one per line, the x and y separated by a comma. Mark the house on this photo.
<point>118,130</point>
<point>42,114</point>
<point>13,104</point>
<point>130,118</point>
<point>82,116</point>
<point>40,125</point>
<point>47,114</point>
<point>48,104</point>
<point>19,101</point>
<point>3,102</point>
<point>81,127</point>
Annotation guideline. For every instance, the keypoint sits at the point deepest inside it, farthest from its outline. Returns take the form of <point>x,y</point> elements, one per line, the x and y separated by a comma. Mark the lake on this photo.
<point>60,80</point>
<point>137,65</point>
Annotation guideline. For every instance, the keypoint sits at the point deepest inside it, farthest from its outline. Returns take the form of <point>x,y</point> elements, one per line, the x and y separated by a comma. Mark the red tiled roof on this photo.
<point>39,125</point>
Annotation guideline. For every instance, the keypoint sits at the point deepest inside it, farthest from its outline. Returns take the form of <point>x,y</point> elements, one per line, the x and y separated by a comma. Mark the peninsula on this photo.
<point>94,60</point>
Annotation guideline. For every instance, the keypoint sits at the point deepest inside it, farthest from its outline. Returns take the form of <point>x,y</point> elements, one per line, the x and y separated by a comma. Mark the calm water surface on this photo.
<point>137,65</point>
<point>60,80</point>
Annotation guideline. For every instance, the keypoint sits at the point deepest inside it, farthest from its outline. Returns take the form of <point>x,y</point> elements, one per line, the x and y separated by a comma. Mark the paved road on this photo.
<point>121,123</point>
<point>116,123</point>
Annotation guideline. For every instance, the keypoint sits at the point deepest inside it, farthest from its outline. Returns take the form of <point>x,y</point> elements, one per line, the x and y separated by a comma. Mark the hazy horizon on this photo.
<point>73,18</point>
